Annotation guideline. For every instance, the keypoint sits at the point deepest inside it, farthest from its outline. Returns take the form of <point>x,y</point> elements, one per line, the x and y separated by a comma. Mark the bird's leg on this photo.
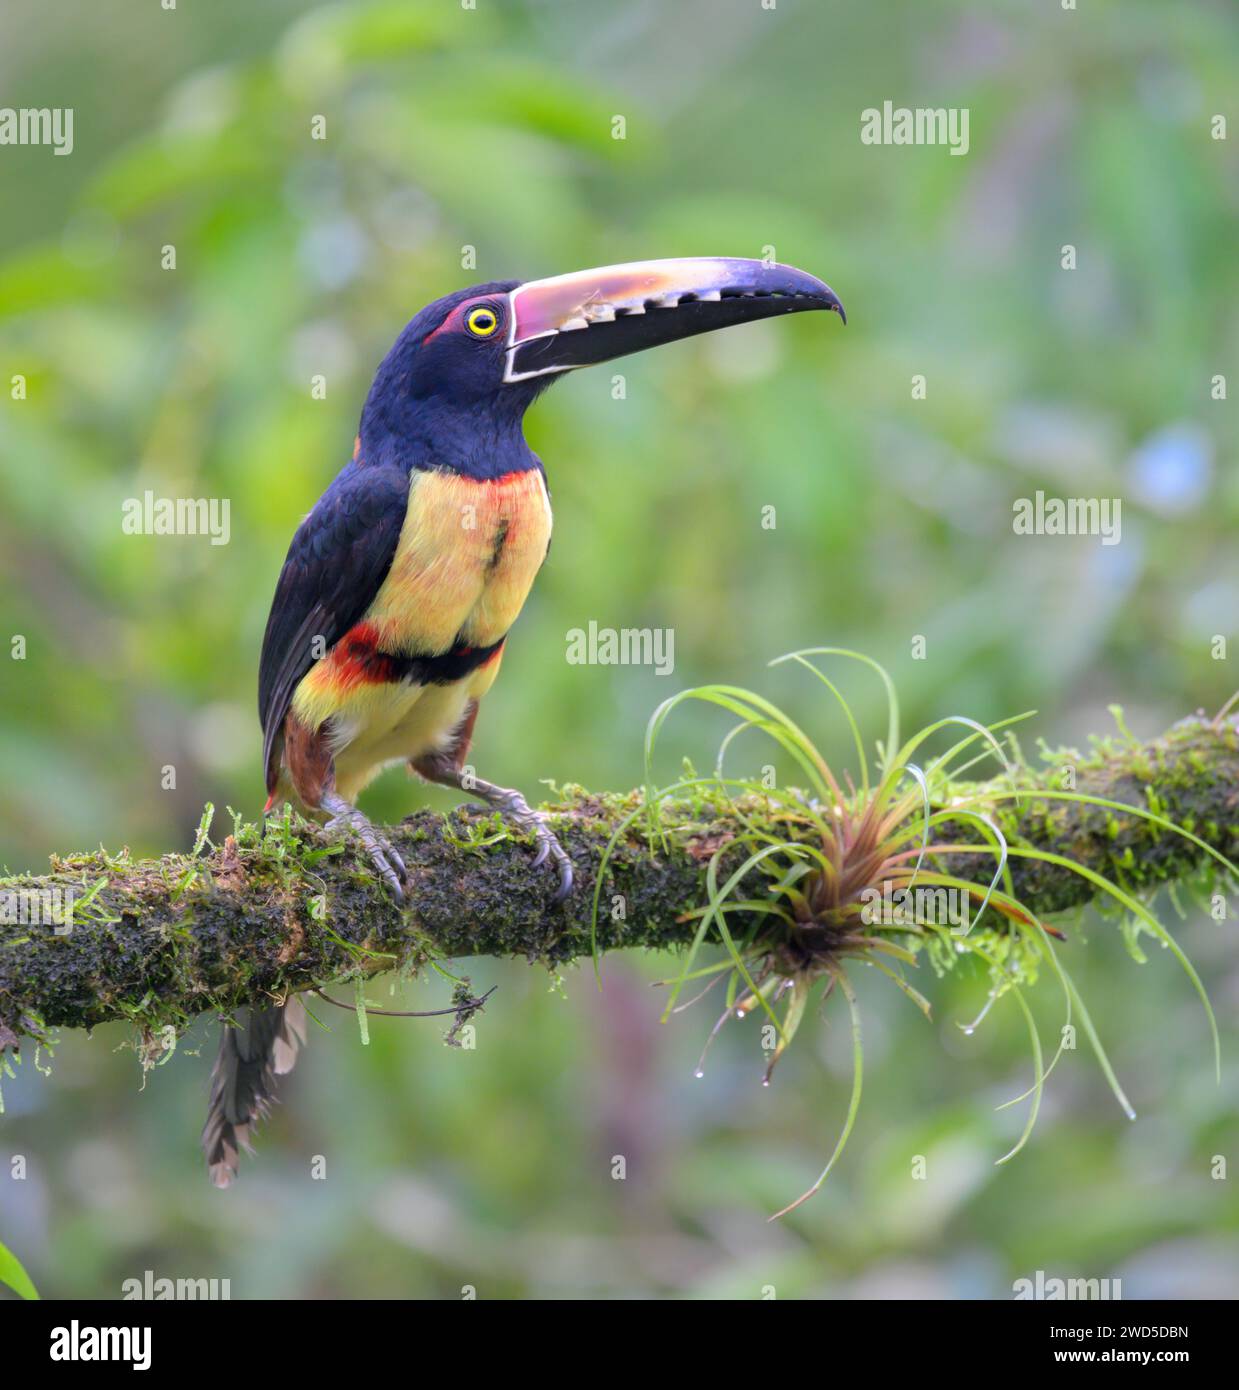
<point>382,855</point>
<point>446,768</point>
<point>308,759</point>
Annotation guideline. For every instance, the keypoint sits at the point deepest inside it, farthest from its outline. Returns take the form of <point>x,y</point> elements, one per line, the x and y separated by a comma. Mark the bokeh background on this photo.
<point>492,128</point>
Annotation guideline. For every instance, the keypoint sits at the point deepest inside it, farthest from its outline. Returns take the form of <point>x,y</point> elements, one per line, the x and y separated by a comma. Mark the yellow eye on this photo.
<point>482,322</point>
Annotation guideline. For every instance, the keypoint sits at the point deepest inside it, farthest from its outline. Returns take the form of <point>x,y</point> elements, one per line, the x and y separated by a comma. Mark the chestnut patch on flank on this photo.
<point>308,759</point>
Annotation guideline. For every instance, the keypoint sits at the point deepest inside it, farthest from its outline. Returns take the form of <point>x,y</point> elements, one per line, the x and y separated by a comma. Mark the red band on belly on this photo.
<point>356,659</point>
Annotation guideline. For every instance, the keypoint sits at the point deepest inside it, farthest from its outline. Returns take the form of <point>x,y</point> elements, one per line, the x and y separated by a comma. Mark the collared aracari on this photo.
<point>401,585</point>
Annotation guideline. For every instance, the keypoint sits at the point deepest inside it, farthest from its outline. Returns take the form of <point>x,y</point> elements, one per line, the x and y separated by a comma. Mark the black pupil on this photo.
<point>483,319</point>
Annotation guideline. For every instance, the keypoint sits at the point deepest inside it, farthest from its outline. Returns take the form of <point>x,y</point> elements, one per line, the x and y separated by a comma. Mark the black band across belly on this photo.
<point>444,669</point>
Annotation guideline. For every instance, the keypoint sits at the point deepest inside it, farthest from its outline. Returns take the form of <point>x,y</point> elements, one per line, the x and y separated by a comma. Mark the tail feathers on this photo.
<point>265,1045</point>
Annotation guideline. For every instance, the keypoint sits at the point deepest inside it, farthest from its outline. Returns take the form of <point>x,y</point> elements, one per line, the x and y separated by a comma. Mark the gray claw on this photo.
<point>524,817</point>
<point>381,853</point>
<point>566,879</point>
<point>548,848</point>
<point>388,874</point>
<point>397,862</point>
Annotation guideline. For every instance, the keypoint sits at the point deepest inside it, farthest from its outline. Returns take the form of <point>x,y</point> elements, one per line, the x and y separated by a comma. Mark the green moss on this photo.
<point>223,915</point>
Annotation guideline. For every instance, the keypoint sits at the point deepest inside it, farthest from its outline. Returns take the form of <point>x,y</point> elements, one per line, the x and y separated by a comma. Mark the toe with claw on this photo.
<point>382,854</point>
<point>524,817</point>
<point>549,847</point>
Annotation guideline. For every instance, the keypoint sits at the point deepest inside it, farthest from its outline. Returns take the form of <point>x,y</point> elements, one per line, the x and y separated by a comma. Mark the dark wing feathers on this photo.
<point>336,565</point>
<point>251,1056</point>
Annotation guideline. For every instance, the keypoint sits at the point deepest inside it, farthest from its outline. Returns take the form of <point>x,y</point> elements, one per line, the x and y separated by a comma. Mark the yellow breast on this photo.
<point>465,562</point>
<point>466,559</point>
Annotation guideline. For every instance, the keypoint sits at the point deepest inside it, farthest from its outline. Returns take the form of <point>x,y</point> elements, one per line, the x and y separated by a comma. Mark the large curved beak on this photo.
<point>594,315</point>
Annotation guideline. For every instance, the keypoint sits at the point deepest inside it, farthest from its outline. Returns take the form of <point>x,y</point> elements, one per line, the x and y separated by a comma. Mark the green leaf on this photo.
<point>12,1274</point>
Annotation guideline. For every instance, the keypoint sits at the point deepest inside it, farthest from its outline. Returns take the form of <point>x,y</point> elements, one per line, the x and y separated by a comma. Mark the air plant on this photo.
<point>848,875</point>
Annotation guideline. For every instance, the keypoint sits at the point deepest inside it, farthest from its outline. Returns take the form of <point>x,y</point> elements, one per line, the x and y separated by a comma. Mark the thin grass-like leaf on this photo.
<point>914,994</point>
<point>1035,1041</point>
<point>892,699</point>
<point>940,763</point>
<point>858,1059</point>
<point>978,729</point>
<point>862,762</point>
<point>1134,906</point>
<point>1162,822</point>
<point>919,778</point>
<point>747,705</point>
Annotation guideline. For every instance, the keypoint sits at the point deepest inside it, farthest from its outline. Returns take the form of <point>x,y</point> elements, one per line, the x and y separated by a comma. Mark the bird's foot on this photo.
<point>382,854</point>
<point>524,817</point>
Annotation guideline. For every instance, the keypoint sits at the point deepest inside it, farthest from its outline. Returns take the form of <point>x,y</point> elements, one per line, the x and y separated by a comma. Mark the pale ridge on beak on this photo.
<point>591,316</point>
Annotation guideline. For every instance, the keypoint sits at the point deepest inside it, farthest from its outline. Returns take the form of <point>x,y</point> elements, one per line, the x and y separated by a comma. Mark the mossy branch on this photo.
<point>158,941</point>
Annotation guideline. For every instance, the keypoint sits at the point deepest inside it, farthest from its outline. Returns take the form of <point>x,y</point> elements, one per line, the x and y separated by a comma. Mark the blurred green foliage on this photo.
<point>492,128</point>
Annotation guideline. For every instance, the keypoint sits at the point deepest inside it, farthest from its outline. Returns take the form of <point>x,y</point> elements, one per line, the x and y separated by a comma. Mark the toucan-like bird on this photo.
<point>402,584</point>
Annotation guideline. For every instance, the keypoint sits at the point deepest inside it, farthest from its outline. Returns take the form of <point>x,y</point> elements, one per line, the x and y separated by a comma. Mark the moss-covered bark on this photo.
<point>158,941</point>
<point>1189,776</point>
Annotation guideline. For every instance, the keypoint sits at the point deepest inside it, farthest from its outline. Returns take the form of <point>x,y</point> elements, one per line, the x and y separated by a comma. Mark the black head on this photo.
<point>439,397</point>
<point>454,389</point>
